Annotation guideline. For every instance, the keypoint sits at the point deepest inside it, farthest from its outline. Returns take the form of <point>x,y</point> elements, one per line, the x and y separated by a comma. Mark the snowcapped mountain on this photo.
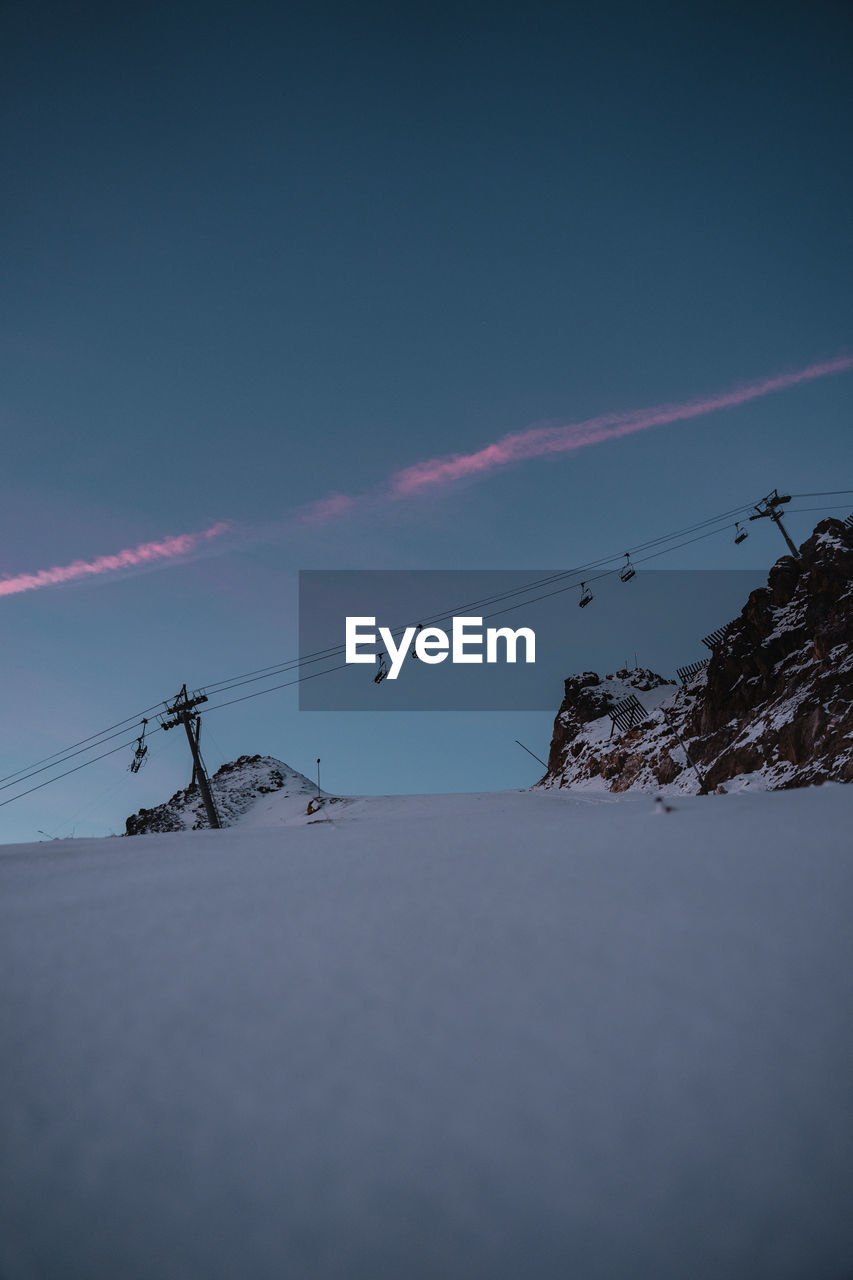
<point>772,708</point>
<point>237,788</point>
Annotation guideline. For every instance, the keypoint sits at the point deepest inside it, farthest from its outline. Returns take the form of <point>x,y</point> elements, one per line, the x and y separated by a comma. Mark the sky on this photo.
<point>262,267</point>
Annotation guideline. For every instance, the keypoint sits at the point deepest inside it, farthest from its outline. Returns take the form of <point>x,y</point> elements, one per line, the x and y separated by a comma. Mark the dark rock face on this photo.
<point>776,698</point>
<point>587,698</point>
<point>236,786</point>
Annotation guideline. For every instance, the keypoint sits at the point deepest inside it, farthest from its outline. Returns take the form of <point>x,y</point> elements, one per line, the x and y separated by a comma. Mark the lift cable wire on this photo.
<point>277,667</point>
<point>68,756</point>
<point>28,769</point>
<point>259,692</point>
<point>115,783</point>
<point>309,659</point>
<point>839,506</point>
<point>518,604</point>
<point>222,686</point>
<point>122,746</point>
<point>822,493</point>
<point>607,573</point>
<point>225,686</point>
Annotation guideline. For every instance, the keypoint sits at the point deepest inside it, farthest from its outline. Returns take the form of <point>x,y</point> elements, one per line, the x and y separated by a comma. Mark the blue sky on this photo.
<point>255,256</point>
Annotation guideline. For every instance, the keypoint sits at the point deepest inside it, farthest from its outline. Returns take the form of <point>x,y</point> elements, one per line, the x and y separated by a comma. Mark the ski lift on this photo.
<point>382,669</point>
<point>141,751</point>
<point>626,573</point>
<point>741,535</point>
<point>413,654</point>
<point>586,596</point>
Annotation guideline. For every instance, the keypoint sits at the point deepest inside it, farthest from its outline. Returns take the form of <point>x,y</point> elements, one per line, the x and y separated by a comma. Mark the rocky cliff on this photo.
<point>773,707</point>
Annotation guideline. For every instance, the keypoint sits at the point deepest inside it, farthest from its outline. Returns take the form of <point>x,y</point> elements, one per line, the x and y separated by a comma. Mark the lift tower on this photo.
<point>183,712</point>
<point>769,507</point>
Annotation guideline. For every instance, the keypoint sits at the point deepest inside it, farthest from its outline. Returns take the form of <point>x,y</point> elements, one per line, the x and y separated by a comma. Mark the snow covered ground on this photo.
<point>511,1035</point>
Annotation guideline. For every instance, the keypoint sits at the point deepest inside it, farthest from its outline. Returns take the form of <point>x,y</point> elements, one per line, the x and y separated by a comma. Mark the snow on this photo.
<point>829,539</point>
<point>527,1034</point>
<point>236,788</point>
<point>600,731</point>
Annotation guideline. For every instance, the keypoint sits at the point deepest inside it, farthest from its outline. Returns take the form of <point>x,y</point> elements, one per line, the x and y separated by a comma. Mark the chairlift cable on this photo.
<point>223,686</point>
<point>80,747</point>
<point>77,767</point>
<point>29,769</point>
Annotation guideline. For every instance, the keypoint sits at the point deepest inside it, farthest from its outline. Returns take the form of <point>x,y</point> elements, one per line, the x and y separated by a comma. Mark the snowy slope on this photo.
<point>468,1037</point>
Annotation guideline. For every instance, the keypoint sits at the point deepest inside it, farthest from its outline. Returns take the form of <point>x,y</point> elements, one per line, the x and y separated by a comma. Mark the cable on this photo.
<point>259,692</point>
<point>608,573</point>
<point>260,673</point>
<point>66,750</point>
<point>76,768</point>
<point>224,686</point>
<point>69,756</point>
<point>574,573</point>
<point>822,493</point>
<point>90,807</point>
<point>495,613</point>
<point>839,506</point>
<point>517,605</point>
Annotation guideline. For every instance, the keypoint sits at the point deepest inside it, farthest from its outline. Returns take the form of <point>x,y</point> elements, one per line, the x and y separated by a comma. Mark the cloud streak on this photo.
<point>538,442</point>
<point>182,544</point>
<point>325,509</point>
<point>430,475</point>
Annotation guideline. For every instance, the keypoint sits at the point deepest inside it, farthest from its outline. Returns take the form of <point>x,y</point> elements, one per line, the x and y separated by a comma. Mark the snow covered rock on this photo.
<point>773,707</point>
<point>585,746</point>
<point>236,788</point>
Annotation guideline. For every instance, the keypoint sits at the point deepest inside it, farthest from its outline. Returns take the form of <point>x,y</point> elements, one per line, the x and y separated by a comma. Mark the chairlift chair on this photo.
<point>741,535</point>
<point>382,670</point>
<point>586,596</point>
<point>413,654</point>
<point>140,752</point>
<point>627,572</point>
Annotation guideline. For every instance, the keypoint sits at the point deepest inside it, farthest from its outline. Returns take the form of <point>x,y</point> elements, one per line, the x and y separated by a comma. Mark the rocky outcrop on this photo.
<point>773,707</point>
<point>583,744</point>
<point>236,788</point>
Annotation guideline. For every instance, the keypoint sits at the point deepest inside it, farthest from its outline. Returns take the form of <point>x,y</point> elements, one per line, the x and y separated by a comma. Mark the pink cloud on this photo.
<point>325,508</point>
<point>165,549</point>
<point>537,442</point>
<point>518,446</point>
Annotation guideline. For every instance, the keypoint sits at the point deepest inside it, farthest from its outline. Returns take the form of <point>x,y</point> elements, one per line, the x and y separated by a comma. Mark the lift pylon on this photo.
<point>183,712</point>
<point>768,508</point>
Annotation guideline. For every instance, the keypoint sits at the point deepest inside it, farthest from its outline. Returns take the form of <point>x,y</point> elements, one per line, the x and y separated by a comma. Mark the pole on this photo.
<point>182,711</point>
<point>768,508</point>
<point>200,773</point>
<point>197,739</point>
<point>318,777</point>
<point>777,520</point>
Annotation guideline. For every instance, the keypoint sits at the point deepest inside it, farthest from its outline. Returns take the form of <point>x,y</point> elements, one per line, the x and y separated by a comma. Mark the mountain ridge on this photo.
<point>772,707</point>
<point>236,785</point>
